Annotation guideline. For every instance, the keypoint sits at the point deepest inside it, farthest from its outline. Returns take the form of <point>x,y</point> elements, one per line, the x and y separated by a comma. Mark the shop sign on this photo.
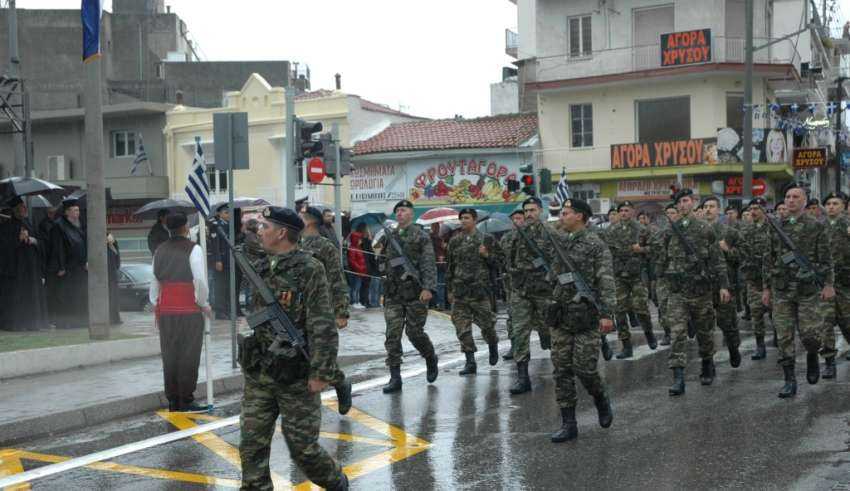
<point>686,48</point>
<point>650,189</point>
<point>378,182</point>
<point>463,181</point>
<point>122,216</point>
<point>807,158</point>
<point>676,153</point>
<point>735,186</point>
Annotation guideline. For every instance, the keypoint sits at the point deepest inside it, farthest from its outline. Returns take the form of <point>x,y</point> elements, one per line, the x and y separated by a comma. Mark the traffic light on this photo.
<point>545,181</point>
<point>306,145</point>
<point>527,179</point>
<point>329,148</point>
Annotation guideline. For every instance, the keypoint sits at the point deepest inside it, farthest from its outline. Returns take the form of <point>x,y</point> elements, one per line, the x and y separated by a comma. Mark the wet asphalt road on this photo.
<point>469,433</point>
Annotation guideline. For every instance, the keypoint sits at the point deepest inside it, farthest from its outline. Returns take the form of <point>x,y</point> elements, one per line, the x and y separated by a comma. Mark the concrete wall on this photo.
<point>204,83</point>
<point>504,97</point>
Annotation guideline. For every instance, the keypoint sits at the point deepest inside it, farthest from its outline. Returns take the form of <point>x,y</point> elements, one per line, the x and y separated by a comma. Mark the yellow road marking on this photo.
<point>210,440</point>
<point>10,464</point>
<point>440,314</point>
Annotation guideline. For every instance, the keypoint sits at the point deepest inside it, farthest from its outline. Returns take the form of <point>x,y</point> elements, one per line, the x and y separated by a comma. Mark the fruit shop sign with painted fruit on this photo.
<point>464,181</point>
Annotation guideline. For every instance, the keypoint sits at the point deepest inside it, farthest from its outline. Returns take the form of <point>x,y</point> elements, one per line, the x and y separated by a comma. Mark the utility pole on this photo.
<point>337,185</point>
<point>289,149</point>
<point>14,72</point>
<point>748,101</point>
<point>839,126</point>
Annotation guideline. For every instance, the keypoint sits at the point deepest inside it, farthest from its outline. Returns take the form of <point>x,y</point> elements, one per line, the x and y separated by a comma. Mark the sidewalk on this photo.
<point>39,405</point>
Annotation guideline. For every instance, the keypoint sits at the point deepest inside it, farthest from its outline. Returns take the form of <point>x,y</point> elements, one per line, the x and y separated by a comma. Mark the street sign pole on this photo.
<point>748,101</point>
<point>337,191</point>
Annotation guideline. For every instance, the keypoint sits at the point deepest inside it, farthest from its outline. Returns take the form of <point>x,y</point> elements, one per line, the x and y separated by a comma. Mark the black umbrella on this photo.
<point>152,209</point>
<point>242,202</point>
<point>40,202</point>
<point>80,197</point>
<point>25,186</point>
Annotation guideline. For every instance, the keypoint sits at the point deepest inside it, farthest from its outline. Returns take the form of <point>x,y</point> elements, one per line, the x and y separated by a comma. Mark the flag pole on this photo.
<point>202,239</point>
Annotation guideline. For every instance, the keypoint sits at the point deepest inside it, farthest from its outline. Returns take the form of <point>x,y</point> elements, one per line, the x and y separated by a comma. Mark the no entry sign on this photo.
<point>315,170</point>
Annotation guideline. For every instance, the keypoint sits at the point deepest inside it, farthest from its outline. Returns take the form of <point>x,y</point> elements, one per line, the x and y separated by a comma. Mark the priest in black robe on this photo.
<point>67,270</point>
<point>22,292</point>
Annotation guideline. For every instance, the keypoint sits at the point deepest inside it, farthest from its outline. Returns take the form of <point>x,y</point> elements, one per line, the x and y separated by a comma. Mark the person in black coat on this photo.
<point>158,233</point>
<point>113,261</point>
<point>222,267</point>
<point>67,270</point>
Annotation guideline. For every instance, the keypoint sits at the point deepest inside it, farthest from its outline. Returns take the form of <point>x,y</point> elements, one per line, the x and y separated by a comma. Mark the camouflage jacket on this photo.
<point>621,237</point>
<point>327,253</point>
<point>419,249</point>
<point>505,251</point>
<point>755,238</point>
<point>529,278</point>
<point>689,274</point>
<point>733,239</point>
<point>299,281</point>
<point>839,241</point>
<point>593,260</point>
<point>812,239</point>
<point>468,272</point>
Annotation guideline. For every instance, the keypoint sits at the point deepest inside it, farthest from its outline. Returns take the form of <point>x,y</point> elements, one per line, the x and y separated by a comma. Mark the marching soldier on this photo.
<point>729,240</point>
<point>576,324</point>
<point>754,246</point>
<point>505,244</point>
<point>327,253</point>
<point>795,288</point>
<point>629,243</point>
<point>662,285</point>
<point>532,287</point>
<point>692,266</point>
<point>410,267</point>
<point>287,384</point>
<point>470,253</point>
<point>837,310</point>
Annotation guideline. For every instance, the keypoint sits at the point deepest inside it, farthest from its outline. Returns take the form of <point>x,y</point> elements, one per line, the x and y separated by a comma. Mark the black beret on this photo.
<point>812,202</point>
<point>532,200</point>
<point>709,198</point>
<point>468,211</point>
<point>284,217</point>
<point>731,207</point>
<point>579,206</point>
<point>315,213</point>
<point>516,210</point>
<point>759,201</point>
<point>15,201</point>
<point>671,206</point>
<point>839,195</point>
<point>402,204</point>
<point>176,221</point>
<point>681,194</point>
<point>792,185</point>
<point>625,204</point>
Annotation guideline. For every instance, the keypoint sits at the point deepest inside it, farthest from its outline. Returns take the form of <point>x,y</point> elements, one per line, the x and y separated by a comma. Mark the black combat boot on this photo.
<point>829,368</point>
<point>569,427</point>
<point>650,340</point>
<point>494,353</point>
<point>761,351</point>
<point>646,323</point>
<point>692,329</point>
<point>607,352</point>
<point>678,387</point>
<point>394,385</point>
<point>343,484</point>
<point>790,387</point>
<point>343,396</point>
<point>522,383</point>
<point>470,367</point>
<point>634,320</point>
<point>812,368</point>
<point>603,408</point>
<point>509,354</point>
<point>666,340</point>
<point>627,351</point>
<point>734,356</point>
<point>545,340</point>
<point>706,377</point>
<point>432,370</point>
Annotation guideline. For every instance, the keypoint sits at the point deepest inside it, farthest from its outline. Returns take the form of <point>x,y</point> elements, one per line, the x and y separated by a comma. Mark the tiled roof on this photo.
<point>490,132</point>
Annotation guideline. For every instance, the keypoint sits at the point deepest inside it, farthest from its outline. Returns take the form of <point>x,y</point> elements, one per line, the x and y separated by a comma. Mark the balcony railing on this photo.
<point>511,43</point>
<point>648,57</point>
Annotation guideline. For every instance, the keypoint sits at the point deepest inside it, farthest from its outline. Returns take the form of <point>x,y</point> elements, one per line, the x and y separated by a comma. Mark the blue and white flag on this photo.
<point>562,192</point>
<point>198,188</point>
<point>90,13</point>
<point>141,157</point>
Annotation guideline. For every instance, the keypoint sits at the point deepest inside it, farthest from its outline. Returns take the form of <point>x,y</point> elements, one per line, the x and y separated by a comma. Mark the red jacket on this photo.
<point>356,258</point>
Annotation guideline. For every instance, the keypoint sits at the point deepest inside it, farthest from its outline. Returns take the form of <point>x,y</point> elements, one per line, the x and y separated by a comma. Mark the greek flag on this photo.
<point>141,156</point>
<point>563,190</point>
<point>198,188</point>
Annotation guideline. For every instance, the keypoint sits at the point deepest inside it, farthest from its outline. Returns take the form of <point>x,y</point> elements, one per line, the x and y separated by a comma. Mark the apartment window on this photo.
<point>580,36</point>
<point>651,23</point>
<point>123,143</point>
<point>581,125</point>
<point>735,111</point>
<point>664,119</point>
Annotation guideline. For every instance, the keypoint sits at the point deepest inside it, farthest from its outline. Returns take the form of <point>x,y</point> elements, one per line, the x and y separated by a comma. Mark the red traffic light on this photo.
<point>528,180</point>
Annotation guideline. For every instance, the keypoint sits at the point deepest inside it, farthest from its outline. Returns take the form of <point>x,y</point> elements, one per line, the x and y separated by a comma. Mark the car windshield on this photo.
<point>141,273</point>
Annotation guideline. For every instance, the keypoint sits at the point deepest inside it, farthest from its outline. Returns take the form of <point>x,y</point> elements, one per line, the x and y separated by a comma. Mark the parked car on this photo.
<point>134,282</point>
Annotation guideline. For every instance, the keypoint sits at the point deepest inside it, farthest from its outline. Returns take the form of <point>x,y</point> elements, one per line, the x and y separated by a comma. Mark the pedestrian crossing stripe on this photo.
<point>399,445</point>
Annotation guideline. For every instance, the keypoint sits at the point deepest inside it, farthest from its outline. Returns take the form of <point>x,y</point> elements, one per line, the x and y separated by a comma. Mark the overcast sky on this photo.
<point>433,58</point>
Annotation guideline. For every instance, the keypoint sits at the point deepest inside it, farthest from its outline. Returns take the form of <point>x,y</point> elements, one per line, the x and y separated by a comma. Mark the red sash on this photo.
<point>176,298</point>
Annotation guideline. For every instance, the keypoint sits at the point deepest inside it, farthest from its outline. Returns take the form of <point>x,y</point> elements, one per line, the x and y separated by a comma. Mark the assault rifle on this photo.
<point>689,248</point>
<point>273,314</point>
<point>401,260</point>
<point>539,261</point>
<point>583,290</point>
<point>794,255</point>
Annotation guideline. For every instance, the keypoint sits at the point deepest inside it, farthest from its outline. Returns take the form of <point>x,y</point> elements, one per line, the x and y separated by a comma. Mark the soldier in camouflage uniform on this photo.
<point>662,286</point>
<point>286,384</point>
<point>729,240</point>
<point>628,241</point>
<point>793,291</point>
<point>837,310</point>
<point>505,243</point>
<point>575,323</point>
<point>532,290</point>
<point>327,253</point>
<point>470,254</point>
<point>692,279</point>
<point>406,294</point>
<point>754,245</point>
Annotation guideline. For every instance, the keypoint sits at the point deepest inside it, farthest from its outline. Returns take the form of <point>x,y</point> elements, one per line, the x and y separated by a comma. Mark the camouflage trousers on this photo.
<point>407,318</point>
<point>662,289</point>
<point>263,399</point>
<point>575,349</point>
<point>757,309</point>
<point>726,315</point>
<point>835,311</point>
<point>700,309</point>
<point>792,310</point>
<point>465,311</point>
<point>529,314</point>
<point>631,297</point>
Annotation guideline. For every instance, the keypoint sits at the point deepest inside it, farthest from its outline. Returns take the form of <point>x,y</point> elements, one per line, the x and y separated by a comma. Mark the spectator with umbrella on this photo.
<point>113,263</point>
<point>67,270</point>
<point>158,233</point>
